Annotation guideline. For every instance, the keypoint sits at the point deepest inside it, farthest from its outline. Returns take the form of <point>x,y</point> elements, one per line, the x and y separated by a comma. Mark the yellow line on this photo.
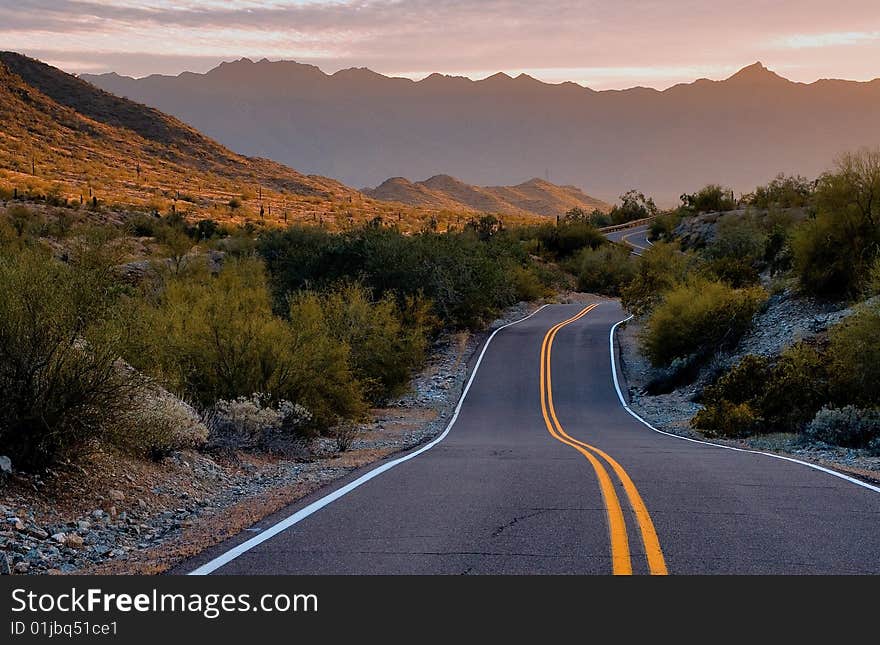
<point>653,552</point>
<point>620,557</point>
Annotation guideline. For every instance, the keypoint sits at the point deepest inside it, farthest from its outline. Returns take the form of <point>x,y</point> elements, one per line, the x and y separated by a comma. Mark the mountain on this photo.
<point>362,127</point>
<point>536,196</point>
<point>65,137</point>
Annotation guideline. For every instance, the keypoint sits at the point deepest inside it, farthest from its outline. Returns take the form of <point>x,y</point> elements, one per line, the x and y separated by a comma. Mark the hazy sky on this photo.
<point>598,43</point>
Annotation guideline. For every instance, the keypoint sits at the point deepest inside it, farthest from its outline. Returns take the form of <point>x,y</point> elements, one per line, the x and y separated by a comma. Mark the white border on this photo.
<point>317,505</point>
<point>626,407</point>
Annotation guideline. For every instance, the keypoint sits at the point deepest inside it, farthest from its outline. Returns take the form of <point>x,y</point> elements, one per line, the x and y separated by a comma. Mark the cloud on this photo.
<point>832,39</point>
<point>605,42</point>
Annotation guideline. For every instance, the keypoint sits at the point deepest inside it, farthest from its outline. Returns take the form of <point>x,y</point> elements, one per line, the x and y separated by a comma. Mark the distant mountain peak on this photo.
<point>756,73</point>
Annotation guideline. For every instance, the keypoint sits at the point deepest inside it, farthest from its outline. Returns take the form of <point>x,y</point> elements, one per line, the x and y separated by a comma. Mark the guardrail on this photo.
<point>632,224</point>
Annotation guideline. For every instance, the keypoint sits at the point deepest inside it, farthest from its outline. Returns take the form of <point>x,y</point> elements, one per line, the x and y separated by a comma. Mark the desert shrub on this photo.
<point>781,395</point>
<point>143,225</point>
<point>658,270</point>
<point>156,423</point>
<point>256,422</point>
<point>782,192</point>
<point>344,434</point>
<point>60,382</point>
<point>848,426</point>
<point>726,419</point>
<point>604,270</point>
<point>795,389</point>
<point>777,250</point>
<point>854,357</point>
<point>568,238</point>
<point>384,346</point>
<point>744,383</point>
<point>710,198</point>
<point>873,288</point>
<point>212,338</point>
<point>736,253</point>
<point>698,316</point>
<point>466,279</point>
<point>833,253</point>
<point>527,284</point>
<point>663,226</point>
<point>823,260</point>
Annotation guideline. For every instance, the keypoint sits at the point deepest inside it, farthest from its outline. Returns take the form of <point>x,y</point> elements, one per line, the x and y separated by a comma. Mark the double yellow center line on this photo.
<point>620,554</point>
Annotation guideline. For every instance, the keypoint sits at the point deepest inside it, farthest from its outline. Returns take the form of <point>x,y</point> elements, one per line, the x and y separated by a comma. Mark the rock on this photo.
<point>22,567</point>
<point>60,538</point>
<point>142,503</point>
<point>5,465</point>
<point>101,549</point>
<point>74,541</point>
<point>37,532</point>
<point>16,523</point>
<point>83,525</point>
<point>112,511</point>
<point>116,495</point>
<point>98,514</point>
<point>4,565</point>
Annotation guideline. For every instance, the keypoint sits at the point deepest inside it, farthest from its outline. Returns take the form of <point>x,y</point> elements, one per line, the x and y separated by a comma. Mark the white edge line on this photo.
<point>317,505</point>
<point>626,407</point>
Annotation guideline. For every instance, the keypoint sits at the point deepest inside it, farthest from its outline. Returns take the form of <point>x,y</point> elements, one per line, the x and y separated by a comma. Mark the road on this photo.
<point>545,472</point>
<point>636,237</point>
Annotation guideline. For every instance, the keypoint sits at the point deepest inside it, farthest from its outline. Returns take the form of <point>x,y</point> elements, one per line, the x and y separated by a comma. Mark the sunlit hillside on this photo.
<point>64,140</point>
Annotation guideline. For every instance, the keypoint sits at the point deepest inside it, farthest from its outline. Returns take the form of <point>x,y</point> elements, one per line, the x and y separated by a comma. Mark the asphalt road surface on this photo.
<point>636,237</point>
<point>545,472</point>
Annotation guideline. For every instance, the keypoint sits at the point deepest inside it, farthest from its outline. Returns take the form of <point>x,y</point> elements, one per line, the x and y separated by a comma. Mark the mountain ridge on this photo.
<point>365,127</point>
<point>534,196</point>
<point>70,140</point>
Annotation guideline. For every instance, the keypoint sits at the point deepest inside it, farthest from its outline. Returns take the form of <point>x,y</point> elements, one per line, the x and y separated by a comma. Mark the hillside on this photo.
<point>65,139</point>
<point>536,196</point>
<point>362,127</point>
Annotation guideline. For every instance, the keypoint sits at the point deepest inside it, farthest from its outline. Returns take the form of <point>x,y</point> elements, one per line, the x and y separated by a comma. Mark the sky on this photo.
<point>603,44</point>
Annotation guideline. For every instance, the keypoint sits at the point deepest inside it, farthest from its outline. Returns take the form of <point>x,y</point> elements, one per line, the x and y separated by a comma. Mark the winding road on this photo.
<point>636,237</point>
<point>544,471</point>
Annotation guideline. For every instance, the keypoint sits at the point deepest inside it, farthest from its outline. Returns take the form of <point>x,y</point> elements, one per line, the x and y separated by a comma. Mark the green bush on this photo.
<point>663,226</point>
<point>711,198</point>
<point>849,426</point>
<point>873,288</point>
<point>658,270</point>
<point>781,395</point>
<point>783,192</point>
<point>467,279</point>
<point>385,347</point>
<point>854,357</point>
<point>736,253</point>
<point>605,270</point>
<point>796,388</point>
<point>833,253</point>
<point>696,317</point>
<point>60,382</point>
<point>211,338</point>
<point>726,419</point>
<point>528,285</point>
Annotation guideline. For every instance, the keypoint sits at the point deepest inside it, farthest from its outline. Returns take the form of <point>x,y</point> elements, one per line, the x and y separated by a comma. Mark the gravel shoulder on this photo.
<point>111,514</point>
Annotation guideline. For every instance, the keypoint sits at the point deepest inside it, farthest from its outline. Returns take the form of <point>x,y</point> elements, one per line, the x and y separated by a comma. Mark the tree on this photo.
<point>833,252</point>
<point>633,206</point>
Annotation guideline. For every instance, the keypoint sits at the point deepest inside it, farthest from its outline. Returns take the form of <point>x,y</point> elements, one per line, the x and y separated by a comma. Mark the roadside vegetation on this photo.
<point>715,262</point>
<point>269,336</point>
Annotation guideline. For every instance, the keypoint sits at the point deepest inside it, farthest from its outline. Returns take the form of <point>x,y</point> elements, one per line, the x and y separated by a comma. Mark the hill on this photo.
<point>536,196</point>
<point>66,140</point>
<point>362,127</point>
